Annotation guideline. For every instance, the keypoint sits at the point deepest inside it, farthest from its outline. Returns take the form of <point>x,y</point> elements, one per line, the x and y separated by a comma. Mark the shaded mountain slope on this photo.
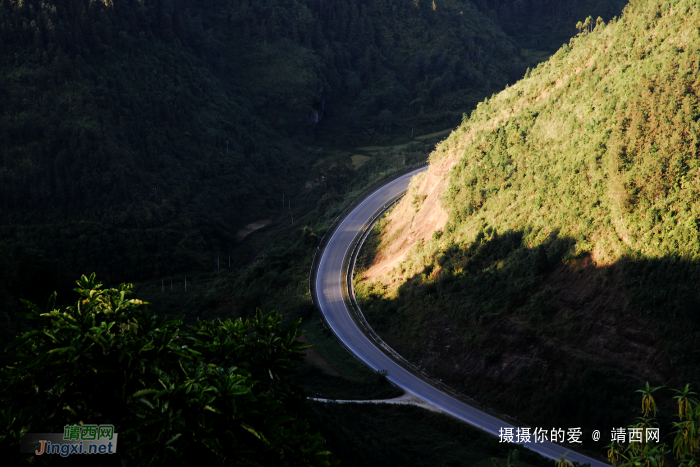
<point>365,69</point>
<point>122,130</point>
<point>128,126</point>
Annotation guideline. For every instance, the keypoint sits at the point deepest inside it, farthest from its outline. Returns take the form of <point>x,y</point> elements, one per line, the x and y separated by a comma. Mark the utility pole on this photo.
<point>292,218</point>
<point>185,284</point>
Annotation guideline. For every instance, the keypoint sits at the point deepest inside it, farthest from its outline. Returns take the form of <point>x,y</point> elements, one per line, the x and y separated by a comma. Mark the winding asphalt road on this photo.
<point>329,290</point>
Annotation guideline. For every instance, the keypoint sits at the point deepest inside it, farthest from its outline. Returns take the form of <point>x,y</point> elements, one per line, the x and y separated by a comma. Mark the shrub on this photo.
<point>217,392</point>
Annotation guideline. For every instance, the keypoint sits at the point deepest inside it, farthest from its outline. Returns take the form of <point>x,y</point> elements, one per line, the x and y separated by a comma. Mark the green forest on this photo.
<point>138,137</point>
<point>545,23</point>
<point>128,126</point>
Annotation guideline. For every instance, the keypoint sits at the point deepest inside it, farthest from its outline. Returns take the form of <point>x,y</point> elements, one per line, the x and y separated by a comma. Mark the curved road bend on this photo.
<point>329,296</point>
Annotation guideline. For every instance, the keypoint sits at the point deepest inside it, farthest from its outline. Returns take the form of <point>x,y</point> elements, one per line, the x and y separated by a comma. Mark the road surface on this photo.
<point>328,291</point>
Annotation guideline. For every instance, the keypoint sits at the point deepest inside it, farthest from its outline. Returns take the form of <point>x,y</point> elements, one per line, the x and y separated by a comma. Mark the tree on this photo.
<point>217,392</point>
<point>587,24</point>
<point>353,83</point>
<point>650,452</point>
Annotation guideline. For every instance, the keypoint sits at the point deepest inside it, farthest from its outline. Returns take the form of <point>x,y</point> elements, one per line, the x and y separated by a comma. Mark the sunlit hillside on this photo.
<point>554,241</point>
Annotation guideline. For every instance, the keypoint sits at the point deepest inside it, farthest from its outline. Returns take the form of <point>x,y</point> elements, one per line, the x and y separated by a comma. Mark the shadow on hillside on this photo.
<point>542,333</point>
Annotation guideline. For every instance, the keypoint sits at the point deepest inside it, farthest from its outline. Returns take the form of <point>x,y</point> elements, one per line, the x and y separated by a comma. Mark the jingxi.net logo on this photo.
<point>75,439</point>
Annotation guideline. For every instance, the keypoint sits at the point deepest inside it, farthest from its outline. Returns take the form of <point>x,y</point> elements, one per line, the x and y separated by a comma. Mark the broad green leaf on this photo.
<point>144,392</point>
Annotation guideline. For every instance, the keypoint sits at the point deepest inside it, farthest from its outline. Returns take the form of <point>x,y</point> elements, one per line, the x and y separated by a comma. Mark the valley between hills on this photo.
<point>196,154</point>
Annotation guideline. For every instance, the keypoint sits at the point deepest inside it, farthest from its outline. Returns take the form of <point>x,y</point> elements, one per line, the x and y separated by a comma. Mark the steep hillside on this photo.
<point>549,258</point>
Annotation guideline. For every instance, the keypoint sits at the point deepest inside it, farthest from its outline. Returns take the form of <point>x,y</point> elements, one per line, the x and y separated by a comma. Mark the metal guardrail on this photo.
<point>356,312</point>
<point>360,319</point>
<point>358,316</point>
<point>329,232</point>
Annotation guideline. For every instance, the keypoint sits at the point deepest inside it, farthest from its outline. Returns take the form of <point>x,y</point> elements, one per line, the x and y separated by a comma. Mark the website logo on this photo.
<point>75,439</point>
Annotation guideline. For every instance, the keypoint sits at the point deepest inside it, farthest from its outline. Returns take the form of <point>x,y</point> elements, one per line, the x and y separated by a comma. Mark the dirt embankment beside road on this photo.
<point>413,220</point>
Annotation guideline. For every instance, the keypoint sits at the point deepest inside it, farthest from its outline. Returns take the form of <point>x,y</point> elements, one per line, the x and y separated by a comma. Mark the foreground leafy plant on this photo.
<point>686,434</point>
<point>218,392</point>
